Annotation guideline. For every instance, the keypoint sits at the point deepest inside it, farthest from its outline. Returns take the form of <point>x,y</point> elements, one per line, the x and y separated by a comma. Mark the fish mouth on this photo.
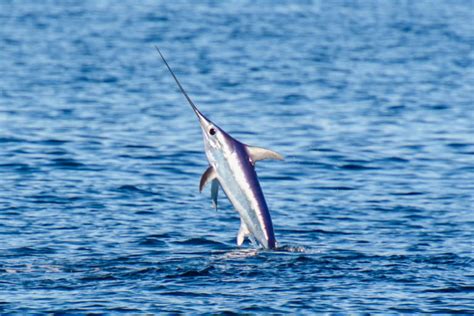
<point>203,121</point>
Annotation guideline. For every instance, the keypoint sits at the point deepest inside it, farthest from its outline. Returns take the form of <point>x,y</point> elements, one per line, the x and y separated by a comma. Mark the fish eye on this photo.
<point>212,131</point>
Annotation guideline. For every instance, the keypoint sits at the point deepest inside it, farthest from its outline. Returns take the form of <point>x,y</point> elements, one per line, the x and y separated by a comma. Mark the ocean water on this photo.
<point>371,103</point>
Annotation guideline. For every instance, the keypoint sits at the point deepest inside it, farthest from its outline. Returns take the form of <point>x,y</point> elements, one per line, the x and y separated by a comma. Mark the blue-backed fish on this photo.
<point>232,167</point>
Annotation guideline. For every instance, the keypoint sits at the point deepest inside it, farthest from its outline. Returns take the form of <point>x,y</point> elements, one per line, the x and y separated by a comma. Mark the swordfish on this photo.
<point>232,167</point>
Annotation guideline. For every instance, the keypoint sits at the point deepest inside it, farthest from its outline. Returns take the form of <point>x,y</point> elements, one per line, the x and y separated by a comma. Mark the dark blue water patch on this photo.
<point>32,251</point>
<point>132,189</point>
<point>193,273</point>
<point>202,242</point>
<point>259,309</point>
<point>11,140</point>
<point>322,149</point>
<point>453,289</point>
<point>58,152</point>
<point>324,232</point>
<point>279,178</point>
<point>392,160</point>
<point>97,80</point>
<point>141,157</point>
<point>437,107</point>
<point>293,98</point>
<point>145,212</point>
<point>321,165</point>
<point>67,163</point>
<point>465,148</point>
<point>139,146</point>
<point>337,188</point>
<point>416,217</point>
<point>152,241</point>
<point>98,278</point>
<point>52,142</point>
<point>53,199</point>
<point>17,167</point>
<point>407,193</point>
<point>356,167</point>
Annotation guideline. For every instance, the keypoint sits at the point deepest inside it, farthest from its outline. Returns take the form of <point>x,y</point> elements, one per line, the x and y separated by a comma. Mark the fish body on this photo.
<point>232,167</point>
<point>235,173</point>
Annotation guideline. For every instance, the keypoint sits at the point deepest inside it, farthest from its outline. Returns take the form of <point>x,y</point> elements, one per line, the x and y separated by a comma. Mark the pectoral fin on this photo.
<point>243,232</point>
<point>214,192</point>
<point>258,153</point>
<point>208,175</point>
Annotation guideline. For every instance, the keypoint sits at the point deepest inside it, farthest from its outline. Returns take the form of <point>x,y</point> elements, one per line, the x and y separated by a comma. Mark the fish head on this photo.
<point>216,140</point>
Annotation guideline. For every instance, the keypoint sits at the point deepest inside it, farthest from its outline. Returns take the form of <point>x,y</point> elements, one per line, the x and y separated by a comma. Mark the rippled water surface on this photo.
<point>100,156</point>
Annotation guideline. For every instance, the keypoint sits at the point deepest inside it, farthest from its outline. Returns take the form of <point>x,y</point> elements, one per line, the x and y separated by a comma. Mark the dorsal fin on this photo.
<point>259,153</point>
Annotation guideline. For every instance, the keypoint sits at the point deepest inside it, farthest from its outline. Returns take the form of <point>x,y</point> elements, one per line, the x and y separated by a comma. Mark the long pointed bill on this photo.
<point>202,119</point>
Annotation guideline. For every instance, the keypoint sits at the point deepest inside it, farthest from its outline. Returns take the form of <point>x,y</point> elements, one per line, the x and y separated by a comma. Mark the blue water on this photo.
<point>100,156</point>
